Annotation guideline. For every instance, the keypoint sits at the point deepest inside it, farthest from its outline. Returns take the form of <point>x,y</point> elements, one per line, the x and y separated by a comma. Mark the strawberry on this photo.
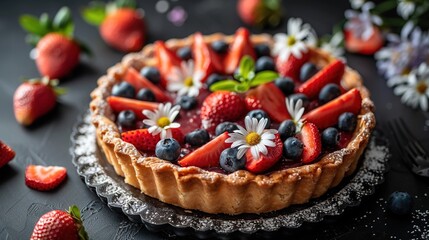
<point>264,162</point>
<point>219,107</point>
<point>167,60</point>
<point>310,137</point>
<point>331,73</point>
<point>239,47</point>
<point>60,225</point>
<point>364,46</point>
<point>259,13</point>
<point>292,66</point>
<point>138,81</point>
<point>268,98</point>
<point>124,30</point>
<point>44,178</point>
<point>327,114</point>
<point>119,104</point>
<point>207,155</point>
<point>206,61</point>
<point>33,99</point>
<point>145,141</point>
<point>6,154</point>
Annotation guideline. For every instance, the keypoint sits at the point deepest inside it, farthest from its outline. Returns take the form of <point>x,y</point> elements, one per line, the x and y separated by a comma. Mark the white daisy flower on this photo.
<point>296,110</point>
<point>356,4</point>
<point>299,36</point>
<point>254,137</point>
<point>406,8</point>
<point>161,121</point>
<point>361,24</point>
<point>334,45</point>
<point>414,87</point>
<point>184,80</point>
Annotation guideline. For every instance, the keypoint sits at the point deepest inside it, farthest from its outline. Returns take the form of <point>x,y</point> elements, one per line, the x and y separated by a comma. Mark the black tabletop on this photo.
<point>48,141</point>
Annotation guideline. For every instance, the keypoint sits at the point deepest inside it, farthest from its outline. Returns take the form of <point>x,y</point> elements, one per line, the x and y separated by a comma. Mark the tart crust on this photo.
<point>212,192</point>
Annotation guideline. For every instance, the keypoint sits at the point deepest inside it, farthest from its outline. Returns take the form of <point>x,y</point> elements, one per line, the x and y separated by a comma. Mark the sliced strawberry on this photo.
<point>207,155</point>
<point>292,66</point>
<point>345,138</point>
<point>6,154</point>
<point>167,60</point>
<point>219,107</point>
<point>145,141</point>
<point>331,73</point>
<point>43,178</point>
<point>312,141</point>
<point>269,98</point>
<point>138,81</point>
<point>206,61</point>
<point>239,47</point>
<point>368,46</point>
<point>327,114</point>
<point>119,104</point>
<point>264,162</point>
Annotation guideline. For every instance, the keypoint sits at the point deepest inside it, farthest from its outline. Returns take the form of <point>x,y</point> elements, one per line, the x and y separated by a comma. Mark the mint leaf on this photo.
<point>32,25</point>
<point>247,67</point>
<point>62,18</point>
<point>264,77</point>
<point>227,85</point>
<point>94,14</point>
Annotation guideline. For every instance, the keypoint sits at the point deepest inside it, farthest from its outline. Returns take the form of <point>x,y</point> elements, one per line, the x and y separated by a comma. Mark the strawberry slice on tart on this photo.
<point>239,47</point>
<point>138,82</point>
<point>119,104</point>
<point>205,59</point>
<point>167,60</point>
<point>143,140</point>
<point>310,137</point>
<point>265,161</point>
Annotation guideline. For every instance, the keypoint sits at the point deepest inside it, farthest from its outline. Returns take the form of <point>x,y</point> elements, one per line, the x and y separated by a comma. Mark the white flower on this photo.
<point>414,87</point>
<point>406,8</point>
<point>296,110</point>
<point>162,120</point>
<point>299,36</point>
<point>185,80</point>
<point>254,137</point>
<point>334,45</point>
<point>356,4</point>
<point>361,24</point>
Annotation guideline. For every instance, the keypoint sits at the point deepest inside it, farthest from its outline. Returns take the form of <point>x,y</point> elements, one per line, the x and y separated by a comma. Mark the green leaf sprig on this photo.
<point>246,76</point>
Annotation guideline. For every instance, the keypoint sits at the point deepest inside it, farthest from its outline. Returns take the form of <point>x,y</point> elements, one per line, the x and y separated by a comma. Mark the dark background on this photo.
<point>47,142</point>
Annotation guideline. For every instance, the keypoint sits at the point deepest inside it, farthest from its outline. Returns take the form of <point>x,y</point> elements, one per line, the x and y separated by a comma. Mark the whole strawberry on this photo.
<point>121,26</point>
<point>6,154</point>
<point>61,225</point>
<point>260,13</point>
<point>57,52</point>
<point>33,99</point>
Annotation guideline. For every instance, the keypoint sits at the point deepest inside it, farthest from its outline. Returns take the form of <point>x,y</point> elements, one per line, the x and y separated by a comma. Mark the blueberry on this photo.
<point>262,50</point>
<point>329,92</point>
<point>303,97</point>
<point>287,129</point>
<point>259,114</point>
<point>168,149</point>
<point>307,71</point>
<point>229,161</point>
<point>127,119</point>
<point>330,137</point>
<point>186,102</point>
<point>152,74</point>
<point>264,63</point>
<point>219,46</point>
<point>400,203</point>
<point>225,127</point>
<point>123,89</point>
<point>286,84</point>
<point>293,148</point>
<point>347,122</point>
<point>197,137</point>
<point>214,78</point>
<point>145,94</point>
<point>184,53</point>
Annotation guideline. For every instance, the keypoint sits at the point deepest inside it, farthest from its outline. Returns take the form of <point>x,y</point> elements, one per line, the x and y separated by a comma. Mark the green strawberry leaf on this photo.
<point>75,214</point>
<point>32,25</point>
<point>62,19</point>
<point>67,30</point>
<point>263,77</point>
<point>126,4</point>
<point>227,85</point>
<point>32,39</point>
<point>94,14</point>
<point>84,48</point>
<point>45,21</point>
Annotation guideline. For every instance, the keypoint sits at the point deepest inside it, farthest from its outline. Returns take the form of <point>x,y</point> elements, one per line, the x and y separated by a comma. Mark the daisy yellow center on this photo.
<point>163,122</point>
<point>188,82</point>
<point>253,138</point>
<point>406,71</point>
<point>421,87</point>
<point>291,40</point>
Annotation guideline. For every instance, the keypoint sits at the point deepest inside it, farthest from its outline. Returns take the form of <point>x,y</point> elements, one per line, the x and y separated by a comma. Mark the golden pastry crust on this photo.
<point>241,191</point>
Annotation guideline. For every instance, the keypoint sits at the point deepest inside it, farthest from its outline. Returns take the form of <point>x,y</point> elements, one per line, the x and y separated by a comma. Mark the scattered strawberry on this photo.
<point>310,137</point>
<point>264,162</point>
<point>260,13</point>
<point>138,81</point>
<point>33,99</point>
<point>167,60</point>
<point>119,104</point>
<point>292,66</point>
<point>268,98</point>
<point>239,47</point>
<point>6,154</point>
<point>327,114</point>
<point>44,178</point>
<point>60,225</point>
<point>331,73</point>
<point>206,61</point>
<point>207,155</point>
<point>219,107</point>
<point>145,141</point>
<point>364,46</point>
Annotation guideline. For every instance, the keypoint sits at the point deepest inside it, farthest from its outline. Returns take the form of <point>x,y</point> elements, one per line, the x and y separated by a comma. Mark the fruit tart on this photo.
<point>233,124</point>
